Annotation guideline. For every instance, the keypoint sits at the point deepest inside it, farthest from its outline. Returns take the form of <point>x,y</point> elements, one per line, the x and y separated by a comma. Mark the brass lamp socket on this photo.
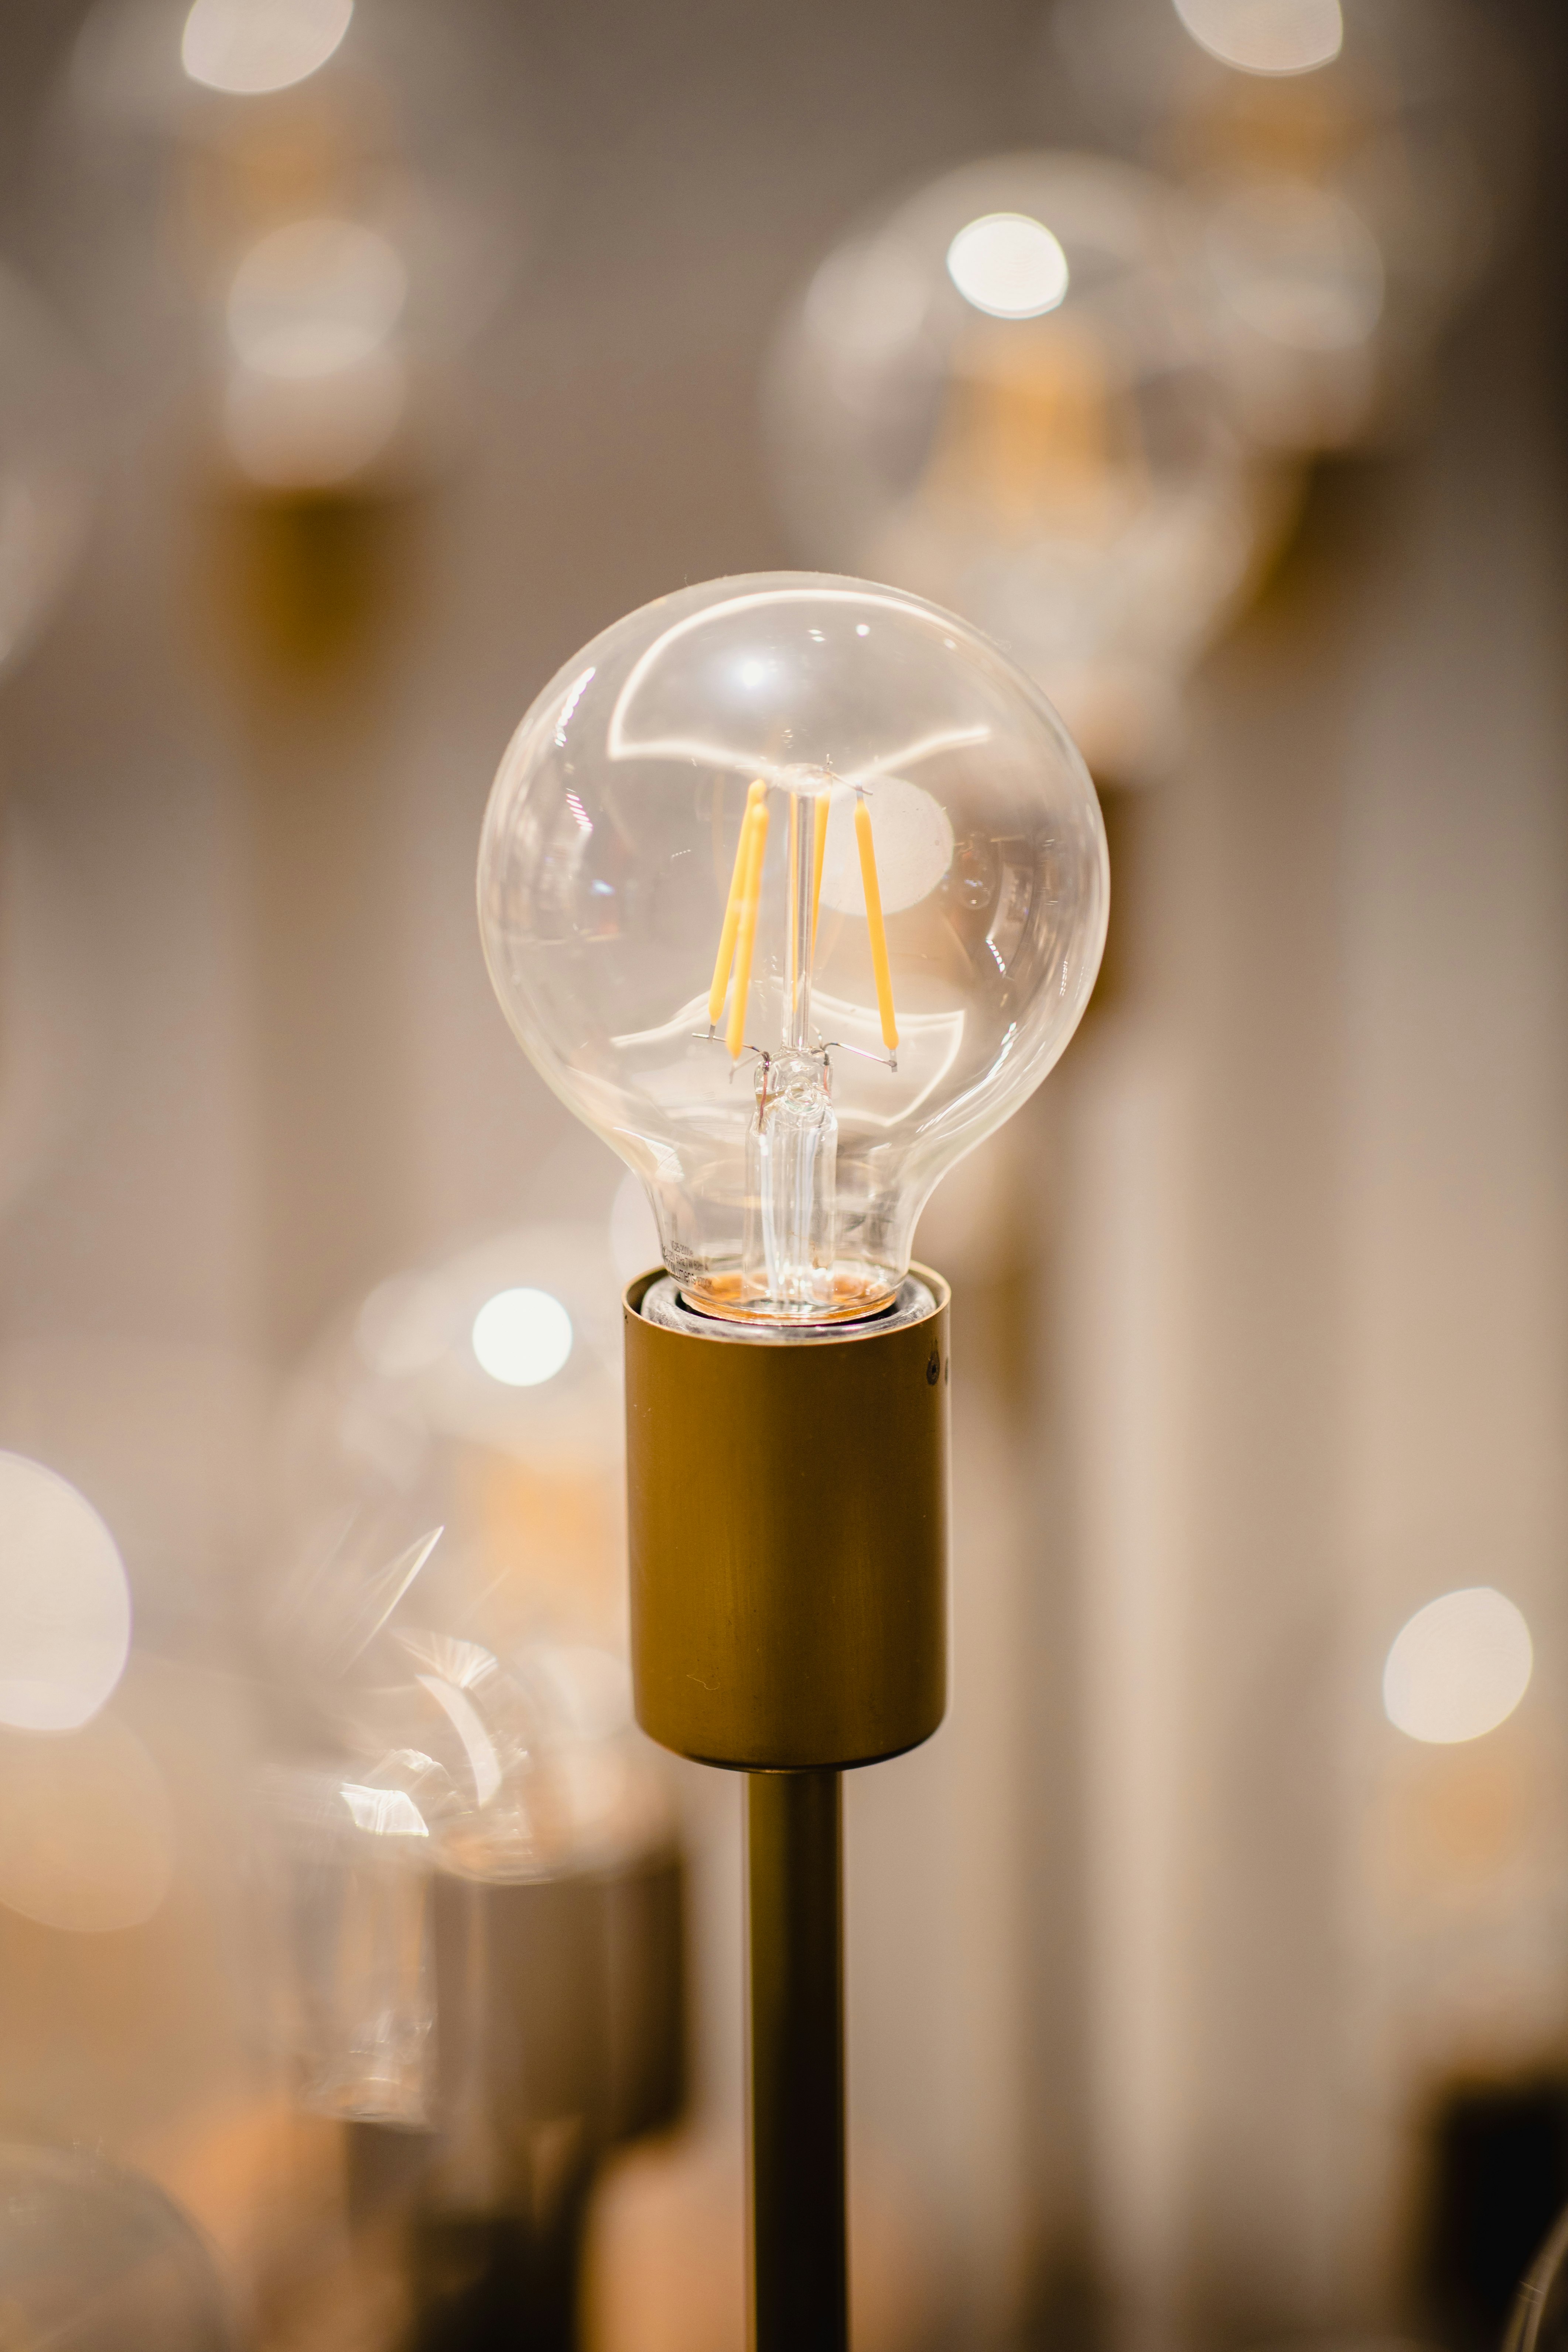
<point>787,1502</point>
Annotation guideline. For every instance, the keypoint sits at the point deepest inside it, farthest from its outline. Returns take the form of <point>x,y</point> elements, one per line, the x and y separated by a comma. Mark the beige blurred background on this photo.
<point>1184,1989</point>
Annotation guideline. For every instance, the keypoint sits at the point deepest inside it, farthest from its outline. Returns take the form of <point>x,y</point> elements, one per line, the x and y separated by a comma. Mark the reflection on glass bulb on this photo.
<point>794,887</point>
<point>522,1337</point>
<point>1266,36</point>
<point>1458,1668</point>
<point>250,46</point>
<point>1008,265</point>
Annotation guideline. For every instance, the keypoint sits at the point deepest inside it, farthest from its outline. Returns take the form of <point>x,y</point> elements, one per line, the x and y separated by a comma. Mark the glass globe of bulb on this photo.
<point>793,888</point>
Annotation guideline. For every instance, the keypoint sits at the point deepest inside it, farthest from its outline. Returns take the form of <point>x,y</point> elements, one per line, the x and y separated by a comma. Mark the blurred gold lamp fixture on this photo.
<point>289,199</point>
<point>794,887</point>
<point>1355,169</point>
<point>477,1867</point>
<point>999,394</point>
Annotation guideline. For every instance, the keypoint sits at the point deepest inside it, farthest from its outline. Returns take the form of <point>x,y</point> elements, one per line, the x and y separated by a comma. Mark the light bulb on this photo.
<point>999,394</point>
<point>792,886</point>
<point>1357,168</point>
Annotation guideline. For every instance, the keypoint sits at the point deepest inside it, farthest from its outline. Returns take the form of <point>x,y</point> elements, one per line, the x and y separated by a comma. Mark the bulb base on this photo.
<point>788,1519</point>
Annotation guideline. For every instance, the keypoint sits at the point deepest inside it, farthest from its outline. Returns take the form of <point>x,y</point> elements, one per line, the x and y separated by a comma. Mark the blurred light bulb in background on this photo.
<point>1001,395</point>
<point>1458,1667</point>
<point>417,1473</point>
<point>522,1337</point>
<point>1266,36</point>
<point>252,46</point>
<point>65,1603</point>
<point>1358,173</point>
<point>794,887</point>
<point>328,199</point>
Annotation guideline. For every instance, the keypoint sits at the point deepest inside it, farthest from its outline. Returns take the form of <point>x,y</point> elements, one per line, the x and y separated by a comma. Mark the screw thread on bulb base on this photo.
<point>787,1501</point>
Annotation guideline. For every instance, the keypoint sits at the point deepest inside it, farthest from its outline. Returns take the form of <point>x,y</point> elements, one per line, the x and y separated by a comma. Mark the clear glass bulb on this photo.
<point>1355,168</point>
<point>794,887</point>
<point>999,393</point>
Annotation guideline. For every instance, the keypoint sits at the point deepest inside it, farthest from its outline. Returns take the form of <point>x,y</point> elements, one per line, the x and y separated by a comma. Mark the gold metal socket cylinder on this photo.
<point>788,1506</point>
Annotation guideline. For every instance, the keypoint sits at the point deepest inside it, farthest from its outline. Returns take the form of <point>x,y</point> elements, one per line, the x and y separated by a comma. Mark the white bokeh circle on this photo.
<point>65,1603</point>
<point>1458,1667</point>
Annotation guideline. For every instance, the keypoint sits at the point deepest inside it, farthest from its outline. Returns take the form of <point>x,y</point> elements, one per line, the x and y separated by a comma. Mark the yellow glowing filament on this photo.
<point>746,929</point>
<point>819,851</point>
<point>794,890</point>
<point>874,925</point>
<point>732,910</point>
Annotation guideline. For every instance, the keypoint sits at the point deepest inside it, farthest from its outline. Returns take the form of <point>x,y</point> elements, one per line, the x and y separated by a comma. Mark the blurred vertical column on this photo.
<point>306,231</point>
<point>47,462</point>
<point>1457,1119</point>
<point>1353,172</point>
<point>1001,392</point>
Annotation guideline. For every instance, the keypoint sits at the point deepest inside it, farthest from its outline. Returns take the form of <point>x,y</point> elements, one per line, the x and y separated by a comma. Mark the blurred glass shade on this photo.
<point>445,1635</point>
<point>96,2260</point>
<point>321,244</point>
<point>1352,197</point>
<point>45,465</point>
<point>402,1421</point>
<point>1067,478</point>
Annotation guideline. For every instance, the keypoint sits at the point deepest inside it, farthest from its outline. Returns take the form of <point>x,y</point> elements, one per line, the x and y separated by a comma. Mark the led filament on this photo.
<point>789,1251</point>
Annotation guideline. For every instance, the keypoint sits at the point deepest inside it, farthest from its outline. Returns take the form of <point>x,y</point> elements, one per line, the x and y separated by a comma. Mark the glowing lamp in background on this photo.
<point>1458,1667</point>
<point>794,887</point>
<point>999,396</point>
<point>1355,167</point>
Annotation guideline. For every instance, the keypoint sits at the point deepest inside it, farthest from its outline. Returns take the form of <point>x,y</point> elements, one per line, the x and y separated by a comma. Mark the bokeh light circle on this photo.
<point>522,1337</point>
<point>1266,37</point>
<point>1009,266</point>
<point>65,1603</point>
<point>250,46</point>
<point>1458,1667</point>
